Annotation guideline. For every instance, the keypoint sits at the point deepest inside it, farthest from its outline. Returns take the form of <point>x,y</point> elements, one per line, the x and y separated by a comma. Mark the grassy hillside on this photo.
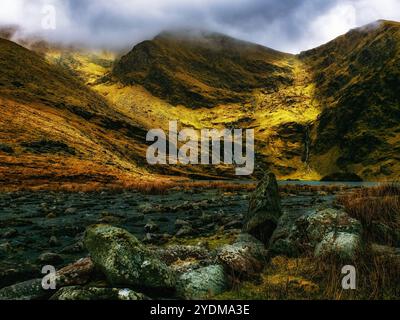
<point>200,69</point>
<point>213,81</point>
<point>54,129</point>
<point>334,108</point>
<point>357,77</point>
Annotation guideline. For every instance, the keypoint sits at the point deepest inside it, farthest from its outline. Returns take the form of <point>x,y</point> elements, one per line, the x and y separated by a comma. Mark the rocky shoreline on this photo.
<point>169,248</point>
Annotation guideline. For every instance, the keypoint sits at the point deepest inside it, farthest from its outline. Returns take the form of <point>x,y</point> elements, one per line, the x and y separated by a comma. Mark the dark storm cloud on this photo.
<point>288,25</point>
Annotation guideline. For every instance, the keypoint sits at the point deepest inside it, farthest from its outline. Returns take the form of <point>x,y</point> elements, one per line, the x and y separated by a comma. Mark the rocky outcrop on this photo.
<point>342,245</point>
<point>27,290</point>
<point>244,258</point>
<point>202,283</point>
<point>125,261</point>
<point>328,229</point>
<point>264,210</point>
<point>77,273</point>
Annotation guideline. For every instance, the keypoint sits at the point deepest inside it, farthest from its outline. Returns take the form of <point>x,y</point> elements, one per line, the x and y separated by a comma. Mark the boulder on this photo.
<point>27,290</point>
<point>92,293</point>
<point>50,258</point>
<point>185,231</point>
<point>125,260</point>
<point>245,257</point>
<point>10,233</point>
<point>285,247</point>
<point>77,273</point>
<point>342,245</point>
<point>284,239</point>
<point>292,238</point>
<point>202,283</point>
<point>320,223</point>
<point>264,210</point>
<point>151,227</point>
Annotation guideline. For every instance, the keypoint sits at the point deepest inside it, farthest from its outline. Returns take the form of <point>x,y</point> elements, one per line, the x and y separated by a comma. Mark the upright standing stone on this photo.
<point>264,209</point>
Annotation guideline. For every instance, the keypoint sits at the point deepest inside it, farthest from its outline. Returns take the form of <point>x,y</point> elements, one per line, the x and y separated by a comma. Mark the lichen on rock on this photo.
<point>125,260</point>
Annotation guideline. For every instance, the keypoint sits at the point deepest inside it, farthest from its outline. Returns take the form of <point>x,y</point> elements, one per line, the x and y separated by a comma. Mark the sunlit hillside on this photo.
<point>357,77</point>
<point>280,114</point>
<point>82,113</point>
<point>56,130</point>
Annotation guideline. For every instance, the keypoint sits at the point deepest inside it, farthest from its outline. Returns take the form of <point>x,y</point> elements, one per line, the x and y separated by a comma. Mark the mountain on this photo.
<point>54,129</point>
<point>73,114</point>
<point>357,77</point>
<point>209,80</point>
<point>202,69</point>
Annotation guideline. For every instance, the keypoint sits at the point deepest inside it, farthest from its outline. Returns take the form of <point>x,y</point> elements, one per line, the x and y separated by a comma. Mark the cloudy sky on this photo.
<point>287,25</point>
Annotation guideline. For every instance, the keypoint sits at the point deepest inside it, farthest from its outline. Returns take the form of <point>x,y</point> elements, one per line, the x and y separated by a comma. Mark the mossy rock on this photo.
<point>342,245</point>
<point>125,260</point>
<point>264,210</point>
<point>92,293</point>
<point>27,290</point>
<point>202,283</point>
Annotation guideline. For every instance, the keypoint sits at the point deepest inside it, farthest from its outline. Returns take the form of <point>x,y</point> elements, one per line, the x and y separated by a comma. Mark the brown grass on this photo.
<point>81,176</point>
<point>379,204</point>
<point>299,188</point>
<point>308,278</point>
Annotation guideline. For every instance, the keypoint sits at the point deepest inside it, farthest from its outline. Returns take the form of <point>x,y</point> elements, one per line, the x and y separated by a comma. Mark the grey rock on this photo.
<point>10,233</point>
<point>202,283</point>
<point>50,258</point>
<point>70,211</point>
<point>247,256</point>
<point>185,231</point>
<point>292,238</point>
<point>342,245</point>
<point>151,227</point>
<point>28,290</point>
<point>92,293</point>
<point>264,210</point>
<point>53,241</point>
<point>125,260</point>
<point>320,223</point>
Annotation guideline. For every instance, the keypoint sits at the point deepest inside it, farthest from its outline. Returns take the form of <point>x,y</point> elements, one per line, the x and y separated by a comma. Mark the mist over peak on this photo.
<point>286,25</point>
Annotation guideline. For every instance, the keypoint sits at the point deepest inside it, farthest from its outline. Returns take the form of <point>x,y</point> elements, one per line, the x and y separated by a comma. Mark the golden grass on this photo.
<point>313,279</point>
<point>375,204</point>
<point>298,188</point>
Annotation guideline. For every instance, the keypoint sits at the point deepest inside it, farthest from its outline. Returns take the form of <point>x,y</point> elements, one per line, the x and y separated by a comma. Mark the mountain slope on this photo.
<point>53,128</point>
<point>357,77</point>
<point>200,69</point>
<point>331,109</point>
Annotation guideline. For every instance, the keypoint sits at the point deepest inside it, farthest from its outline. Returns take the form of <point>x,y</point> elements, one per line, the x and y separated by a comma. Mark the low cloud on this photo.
<point>287,25</point>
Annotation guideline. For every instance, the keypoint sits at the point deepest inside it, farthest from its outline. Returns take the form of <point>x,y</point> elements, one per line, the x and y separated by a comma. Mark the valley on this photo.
<point>292,106</point>
<point>77,192</point>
